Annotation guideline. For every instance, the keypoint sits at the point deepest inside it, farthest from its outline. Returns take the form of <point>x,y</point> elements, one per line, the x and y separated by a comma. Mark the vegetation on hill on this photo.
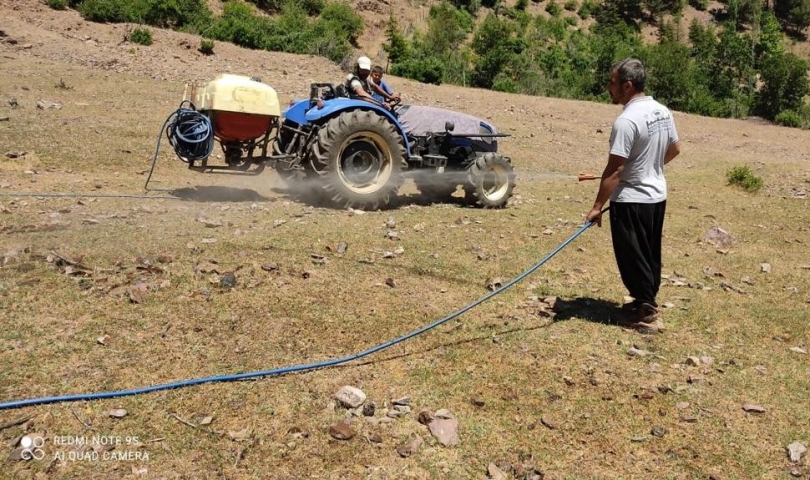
<point>316,27</point>
<point>736,66</point>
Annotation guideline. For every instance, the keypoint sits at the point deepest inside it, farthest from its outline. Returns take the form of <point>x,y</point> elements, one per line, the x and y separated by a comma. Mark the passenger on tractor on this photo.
<point>358,83</point>
<point>382,92</point>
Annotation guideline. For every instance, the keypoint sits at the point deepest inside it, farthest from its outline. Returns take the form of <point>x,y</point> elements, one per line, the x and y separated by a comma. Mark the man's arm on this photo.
<point>672,151</point>
<point>610,180</point>
<point>381,91</point>
<point>361,93</point>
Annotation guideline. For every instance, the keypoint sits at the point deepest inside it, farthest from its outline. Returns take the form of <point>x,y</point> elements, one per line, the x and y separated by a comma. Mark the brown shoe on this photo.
<point>644,319</point>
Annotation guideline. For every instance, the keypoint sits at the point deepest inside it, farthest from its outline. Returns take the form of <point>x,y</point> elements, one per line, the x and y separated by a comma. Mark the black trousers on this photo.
<point>636,230</point>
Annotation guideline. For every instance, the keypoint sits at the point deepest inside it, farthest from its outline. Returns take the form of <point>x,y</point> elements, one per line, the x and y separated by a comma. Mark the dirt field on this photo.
<point>101,289</point>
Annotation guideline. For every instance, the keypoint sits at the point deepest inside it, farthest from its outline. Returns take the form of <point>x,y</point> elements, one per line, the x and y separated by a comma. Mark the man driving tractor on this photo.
<point>359,85</point>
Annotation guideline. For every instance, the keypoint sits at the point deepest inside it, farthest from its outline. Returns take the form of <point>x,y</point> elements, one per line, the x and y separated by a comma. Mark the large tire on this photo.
<point>361,158</point>
<point>490,181</point>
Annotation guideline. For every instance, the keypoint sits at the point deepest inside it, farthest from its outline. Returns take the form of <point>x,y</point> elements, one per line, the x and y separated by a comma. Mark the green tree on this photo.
<point>341,19</point>
<point>770,38</point>
<point>795,13</point>
<point>447,28</point>
<point>670,73</point>
<point>785,84</point>
<point>395,44</point>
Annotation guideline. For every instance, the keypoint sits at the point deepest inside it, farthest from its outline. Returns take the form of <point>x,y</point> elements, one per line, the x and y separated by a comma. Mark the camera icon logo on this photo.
<point>32,447</point>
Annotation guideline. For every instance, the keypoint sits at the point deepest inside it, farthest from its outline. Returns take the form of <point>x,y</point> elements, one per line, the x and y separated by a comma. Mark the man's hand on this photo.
<point>595,216</point>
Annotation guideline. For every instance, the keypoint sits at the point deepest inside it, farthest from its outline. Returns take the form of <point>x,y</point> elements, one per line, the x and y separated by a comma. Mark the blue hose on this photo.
<point>294,368</point>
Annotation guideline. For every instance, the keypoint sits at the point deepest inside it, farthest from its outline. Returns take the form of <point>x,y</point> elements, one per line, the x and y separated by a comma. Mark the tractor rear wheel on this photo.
<point>361,157</point>
<point>490,180</point>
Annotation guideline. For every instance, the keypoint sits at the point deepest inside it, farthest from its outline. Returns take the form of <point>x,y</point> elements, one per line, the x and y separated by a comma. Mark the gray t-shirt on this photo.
<point>642,134</point>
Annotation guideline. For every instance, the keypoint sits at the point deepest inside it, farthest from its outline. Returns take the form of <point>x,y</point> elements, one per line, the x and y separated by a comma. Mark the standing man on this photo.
<point>643,140</point>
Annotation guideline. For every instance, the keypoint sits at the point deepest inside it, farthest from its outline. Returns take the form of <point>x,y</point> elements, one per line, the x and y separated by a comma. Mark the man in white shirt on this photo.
<point>358,82</point>
<point>643,140</point>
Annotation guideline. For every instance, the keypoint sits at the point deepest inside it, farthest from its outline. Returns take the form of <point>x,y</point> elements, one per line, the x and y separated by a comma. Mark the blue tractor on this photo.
<point>358,153</point>
<point>349,152</point>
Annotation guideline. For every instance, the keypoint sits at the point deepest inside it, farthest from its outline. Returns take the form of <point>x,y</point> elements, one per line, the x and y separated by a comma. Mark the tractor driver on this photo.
<point>358,83</point>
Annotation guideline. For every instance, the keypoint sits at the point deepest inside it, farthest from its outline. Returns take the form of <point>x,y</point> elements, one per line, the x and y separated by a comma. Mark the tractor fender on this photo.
<point>301,113</point>
<point>297,112</point>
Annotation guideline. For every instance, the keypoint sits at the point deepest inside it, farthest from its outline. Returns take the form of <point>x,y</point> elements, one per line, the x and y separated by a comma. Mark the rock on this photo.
<point>752,408</point>
<point>445,430</point>
<point>798,350</point>
<point>369,409</point>
<point>493,284</point>
<point>351,397</point>
<point>405,401</point>
<point>548,423</point>
<point>425,417</point>
<point>635,352</point>
<point>719,237</point>
<point>657,431</point>
<point>410,447</point>
<point>796,451</point>
<point>341,248</point>
<point>342,430</point>
<point>766,267</point>
<point>693,361</point>
<point>46,105</point>
<point>692,379</point>
<point>496,473</point>
<point>227,280</point>
<point>444,413</point>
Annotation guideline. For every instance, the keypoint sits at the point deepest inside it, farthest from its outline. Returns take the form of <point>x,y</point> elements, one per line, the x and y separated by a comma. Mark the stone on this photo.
<point>351,397</point>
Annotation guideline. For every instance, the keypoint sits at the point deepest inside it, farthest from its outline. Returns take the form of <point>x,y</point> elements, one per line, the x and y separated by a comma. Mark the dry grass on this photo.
<point>573,371</point>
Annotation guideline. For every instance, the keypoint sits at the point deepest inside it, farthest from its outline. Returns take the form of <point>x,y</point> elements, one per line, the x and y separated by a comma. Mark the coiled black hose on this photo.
<point>190,133</point>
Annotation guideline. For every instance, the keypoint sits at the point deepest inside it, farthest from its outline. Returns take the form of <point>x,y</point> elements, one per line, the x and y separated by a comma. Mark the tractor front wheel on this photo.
<point>490,180</point>
<point>361,157</point>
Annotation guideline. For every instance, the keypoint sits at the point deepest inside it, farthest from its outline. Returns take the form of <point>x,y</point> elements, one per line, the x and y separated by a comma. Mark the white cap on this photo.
<point>364,63</point>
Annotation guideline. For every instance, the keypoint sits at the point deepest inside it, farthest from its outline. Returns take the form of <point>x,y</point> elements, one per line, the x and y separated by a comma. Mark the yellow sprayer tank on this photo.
<point>240,108</point>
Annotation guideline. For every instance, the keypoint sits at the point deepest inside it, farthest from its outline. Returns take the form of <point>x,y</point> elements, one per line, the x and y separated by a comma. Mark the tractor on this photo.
<point>351,153</point>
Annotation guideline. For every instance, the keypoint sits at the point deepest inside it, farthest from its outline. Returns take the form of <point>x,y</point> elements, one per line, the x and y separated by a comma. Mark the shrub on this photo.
<point>587,9</point>
<point>107,11</point>
<point>58,4</point>
<point>743,177</point>
<point>789,118</point>
<point>141,36</point>
<point>570,5</point>
<point>552,8</point>
<point>206,46</point>
<point>341,19</point>
<point>429,70</point>
<point>701,5</point>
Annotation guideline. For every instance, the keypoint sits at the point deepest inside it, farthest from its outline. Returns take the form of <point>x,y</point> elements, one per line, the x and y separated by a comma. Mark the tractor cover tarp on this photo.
<point>418,120</point>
